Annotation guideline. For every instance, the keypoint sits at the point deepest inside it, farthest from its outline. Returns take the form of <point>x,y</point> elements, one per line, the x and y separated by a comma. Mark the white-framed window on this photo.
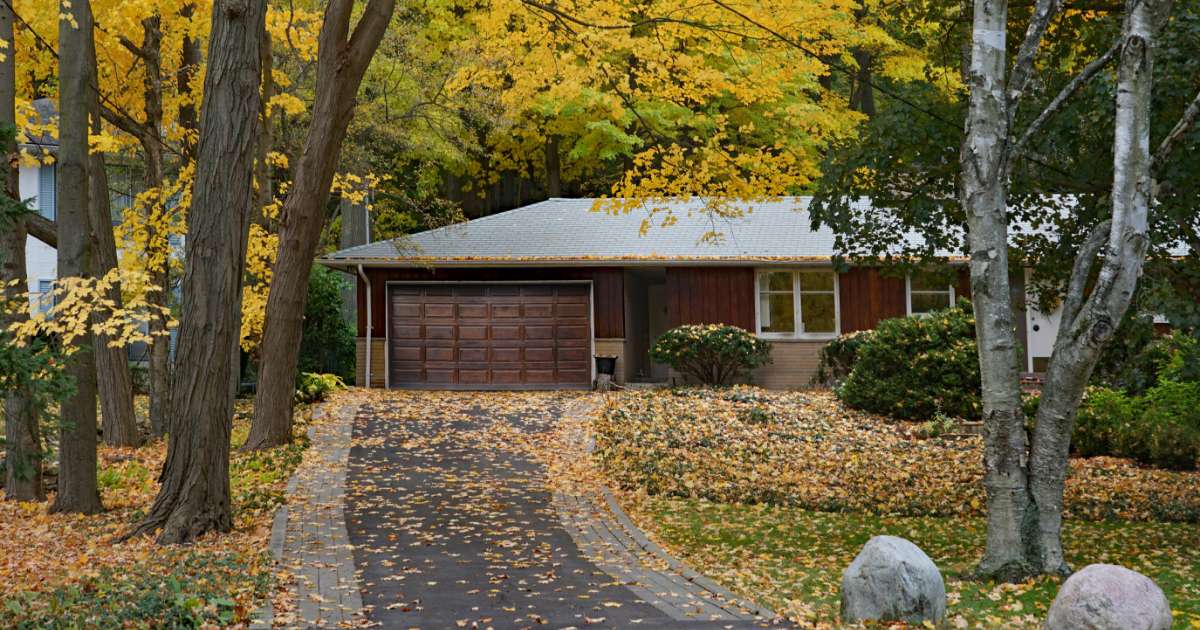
<point>797,303</point>
<point>926,292</point>
<point>44,301</point>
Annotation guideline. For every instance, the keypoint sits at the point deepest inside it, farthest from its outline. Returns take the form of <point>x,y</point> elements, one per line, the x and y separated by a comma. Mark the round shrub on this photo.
<point>1170,426</point>
<point>1102,424</point>
<point>838,358</point>
<point>712,354</point>
<point>912,368</point>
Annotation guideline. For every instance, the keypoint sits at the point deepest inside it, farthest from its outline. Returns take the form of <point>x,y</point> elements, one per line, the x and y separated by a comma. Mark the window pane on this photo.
<point>776,281</point>
<point>817,311</point>
<point>926,302</point>
<point>924,281</point>
<point>777,313</point>
<point>816,281</point>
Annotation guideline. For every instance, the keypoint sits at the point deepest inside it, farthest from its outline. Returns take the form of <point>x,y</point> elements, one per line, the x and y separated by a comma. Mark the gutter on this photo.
<point>814,261</point>
<point>370,325</point>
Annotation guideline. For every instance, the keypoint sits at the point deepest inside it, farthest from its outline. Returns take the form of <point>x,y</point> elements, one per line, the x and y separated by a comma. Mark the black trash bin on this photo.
<point>606,365</point>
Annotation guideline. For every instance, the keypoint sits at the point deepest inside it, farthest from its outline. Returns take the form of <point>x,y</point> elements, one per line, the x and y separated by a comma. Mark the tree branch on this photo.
<point>1079,275</point>
<point>1043,12</point>
<point>1063,96</point>
<point>42,229</point>
<point>1181,128</point>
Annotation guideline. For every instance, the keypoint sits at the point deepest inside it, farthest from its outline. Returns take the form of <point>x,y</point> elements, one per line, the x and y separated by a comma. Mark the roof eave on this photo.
<point>417,263</point>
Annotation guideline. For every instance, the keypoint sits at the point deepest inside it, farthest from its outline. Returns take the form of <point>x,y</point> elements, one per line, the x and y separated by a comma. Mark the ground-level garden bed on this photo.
<point>774,493</point>
<point>70,571</point>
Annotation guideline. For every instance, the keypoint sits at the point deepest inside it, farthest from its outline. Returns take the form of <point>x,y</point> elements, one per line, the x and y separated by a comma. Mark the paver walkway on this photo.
<point>454,525</point>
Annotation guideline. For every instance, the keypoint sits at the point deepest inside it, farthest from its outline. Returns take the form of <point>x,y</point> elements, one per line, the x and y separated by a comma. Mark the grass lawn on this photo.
<point>69,571</point>
<point>773,494</point>
<point>791,559</point>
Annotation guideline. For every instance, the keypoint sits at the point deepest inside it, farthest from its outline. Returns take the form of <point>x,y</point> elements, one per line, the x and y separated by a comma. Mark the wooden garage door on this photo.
<point>490,336</point>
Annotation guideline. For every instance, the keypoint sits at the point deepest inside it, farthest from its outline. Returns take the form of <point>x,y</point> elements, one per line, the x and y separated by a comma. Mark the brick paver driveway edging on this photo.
<point>606,534</point>
<point>308,536</point>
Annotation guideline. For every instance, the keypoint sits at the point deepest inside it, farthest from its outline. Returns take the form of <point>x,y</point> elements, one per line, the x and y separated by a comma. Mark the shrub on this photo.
<point>1103,422</point>
<point>1170,426</point>
<point>327,342</point>
<point>915,367</point>
<point>713,354</point>
<point>1137,361</point>
<point>316,387</point>
<point>838,358</point>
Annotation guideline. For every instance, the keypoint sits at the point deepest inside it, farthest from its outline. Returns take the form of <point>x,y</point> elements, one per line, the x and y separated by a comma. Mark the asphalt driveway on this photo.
<point>453,525</point>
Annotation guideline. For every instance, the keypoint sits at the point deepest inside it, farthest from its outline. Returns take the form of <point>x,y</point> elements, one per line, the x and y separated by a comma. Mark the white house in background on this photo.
<point>39,184</point>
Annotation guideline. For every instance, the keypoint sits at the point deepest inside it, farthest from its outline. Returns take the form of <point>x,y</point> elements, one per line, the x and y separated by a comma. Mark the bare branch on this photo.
<point>1079,275</point>
<point>1181,128</point>
<point>42,229</point>
<point>1043,13</point>
<point>1063,96</point>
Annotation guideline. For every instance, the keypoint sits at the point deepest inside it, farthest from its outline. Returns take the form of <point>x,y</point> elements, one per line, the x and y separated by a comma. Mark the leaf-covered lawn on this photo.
<point>792,559</point>
<point>805,449</point>
<point>774,493</point>
<point>61,570</point>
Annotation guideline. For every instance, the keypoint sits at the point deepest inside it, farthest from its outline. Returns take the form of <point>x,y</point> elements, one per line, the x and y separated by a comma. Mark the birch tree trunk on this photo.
<point>115,384</point>
<point>194,497</point>
<point>342,59</point>
<point>984,191</point>
<point>1088,323</point>
<point>22,446</point>
<point>77,489</point>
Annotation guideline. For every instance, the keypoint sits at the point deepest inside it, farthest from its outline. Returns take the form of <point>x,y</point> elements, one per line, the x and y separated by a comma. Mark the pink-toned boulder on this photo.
<point>1109,597</point>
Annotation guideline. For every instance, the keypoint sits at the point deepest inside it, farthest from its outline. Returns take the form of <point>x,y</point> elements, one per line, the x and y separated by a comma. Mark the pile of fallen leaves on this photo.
<point>74,571</point>
<point>805,449</point>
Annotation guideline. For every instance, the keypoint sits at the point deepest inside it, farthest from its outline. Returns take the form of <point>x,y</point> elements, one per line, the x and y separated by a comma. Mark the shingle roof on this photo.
<point>568,230</point>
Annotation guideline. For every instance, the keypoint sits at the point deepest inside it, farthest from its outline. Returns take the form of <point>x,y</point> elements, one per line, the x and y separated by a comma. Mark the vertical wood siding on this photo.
<point>711,295</point>
<point>608,286</point>
<point>867,297</point>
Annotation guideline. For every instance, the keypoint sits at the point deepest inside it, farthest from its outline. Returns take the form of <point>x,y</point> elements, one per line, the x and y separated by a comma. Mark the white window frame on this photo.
<point>908,293</point>
<point>799,334</point>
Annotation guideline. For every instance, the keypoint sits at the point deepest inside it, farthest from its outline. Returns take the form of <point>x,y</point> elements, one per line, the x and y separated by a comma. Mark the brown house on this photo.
<point>526,298</point>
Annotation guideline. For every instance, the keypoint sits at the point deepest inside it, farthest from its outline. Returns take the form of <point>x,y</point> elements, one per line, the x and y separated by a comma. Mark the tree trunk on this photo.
<point>115,384</point>
<point>194,497</point>
<point>984,199</point>
<point>77,489</point>
<point>1088,324</point>
<point>341,63</point>
<point>22,446</point>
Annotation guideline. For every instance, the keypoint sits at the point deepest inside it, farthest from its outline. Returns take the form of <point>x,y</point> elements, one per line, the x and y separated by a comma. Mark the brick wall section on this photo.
<point>793,366</point>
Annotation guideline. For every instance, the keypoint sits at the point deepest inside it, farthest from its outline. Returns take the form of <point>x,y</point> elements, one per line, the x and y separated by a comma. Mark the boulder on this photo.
<point>891,579</point>
<point>1109,597</point>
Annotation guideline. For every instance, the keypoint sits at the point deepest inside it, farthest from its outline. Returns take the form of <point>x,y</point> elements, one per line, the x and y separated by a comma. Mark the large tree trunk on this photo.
<point>118,423</point>
<point>194,497</point>
<point>1087,324</point>
<point>77,490</point>
<point>341,62</point>
<point>22,448</point>
<point>984,198</point>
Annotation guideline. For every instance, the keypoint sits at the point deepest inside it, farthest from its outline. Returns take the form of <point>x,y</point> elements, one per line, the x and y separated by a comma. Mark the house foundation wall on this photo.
<point>613,347</point>
<point>793,365</point>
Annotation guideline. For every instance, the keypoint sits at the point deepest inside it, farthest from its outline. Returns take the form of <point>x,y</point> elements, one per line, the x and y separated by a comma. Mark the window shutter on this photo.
<point>47,195</point>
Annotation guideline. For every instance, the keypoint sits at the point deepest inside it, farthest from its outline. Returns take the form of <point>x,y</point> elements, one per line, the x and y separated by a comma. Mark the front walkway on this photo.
<point>472,510</point>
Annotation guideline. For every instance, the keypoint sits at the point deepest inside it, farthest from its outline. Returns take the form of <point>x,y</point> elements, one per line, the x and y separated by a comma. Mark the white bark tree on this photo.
<point>1024,478</point>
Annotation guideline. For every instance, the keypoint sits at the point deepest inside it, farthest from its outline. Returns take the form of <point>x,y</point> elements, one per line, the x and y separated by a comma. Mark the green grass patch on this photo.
<point>791,559</point>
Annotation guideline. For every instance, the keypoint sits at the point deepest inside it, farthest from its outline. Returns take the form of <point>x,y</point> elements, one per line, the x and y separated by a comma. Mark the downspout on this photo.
<point>367,282</point>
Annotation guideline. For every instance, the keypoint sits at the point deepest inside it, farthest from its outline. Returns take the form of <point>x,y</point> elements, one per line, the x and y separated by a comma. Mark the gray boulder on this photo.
<point>891,579</point>
<point>1109,597</point>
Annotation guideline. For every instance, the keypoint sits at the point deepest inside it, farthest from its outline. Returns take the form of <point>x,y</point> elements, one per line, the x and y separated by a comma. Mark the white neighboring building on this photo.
<point>41,260</point>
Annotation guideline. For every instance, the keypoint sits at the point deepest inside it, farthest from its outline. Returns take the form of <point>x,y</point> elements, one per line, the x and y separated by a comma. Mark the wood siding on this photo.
<point>867,296</point>
<point>607,286</point>
<point>711,295</point>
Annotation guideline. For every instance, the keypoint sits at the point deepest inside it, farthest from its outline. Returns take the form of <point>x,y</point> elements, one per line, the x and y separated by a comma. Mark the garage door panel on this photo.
<point>439,332</point>
<point>500,311</point>
<point>439,311</point>
<point>483,335</point>
<point>435,353</point>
